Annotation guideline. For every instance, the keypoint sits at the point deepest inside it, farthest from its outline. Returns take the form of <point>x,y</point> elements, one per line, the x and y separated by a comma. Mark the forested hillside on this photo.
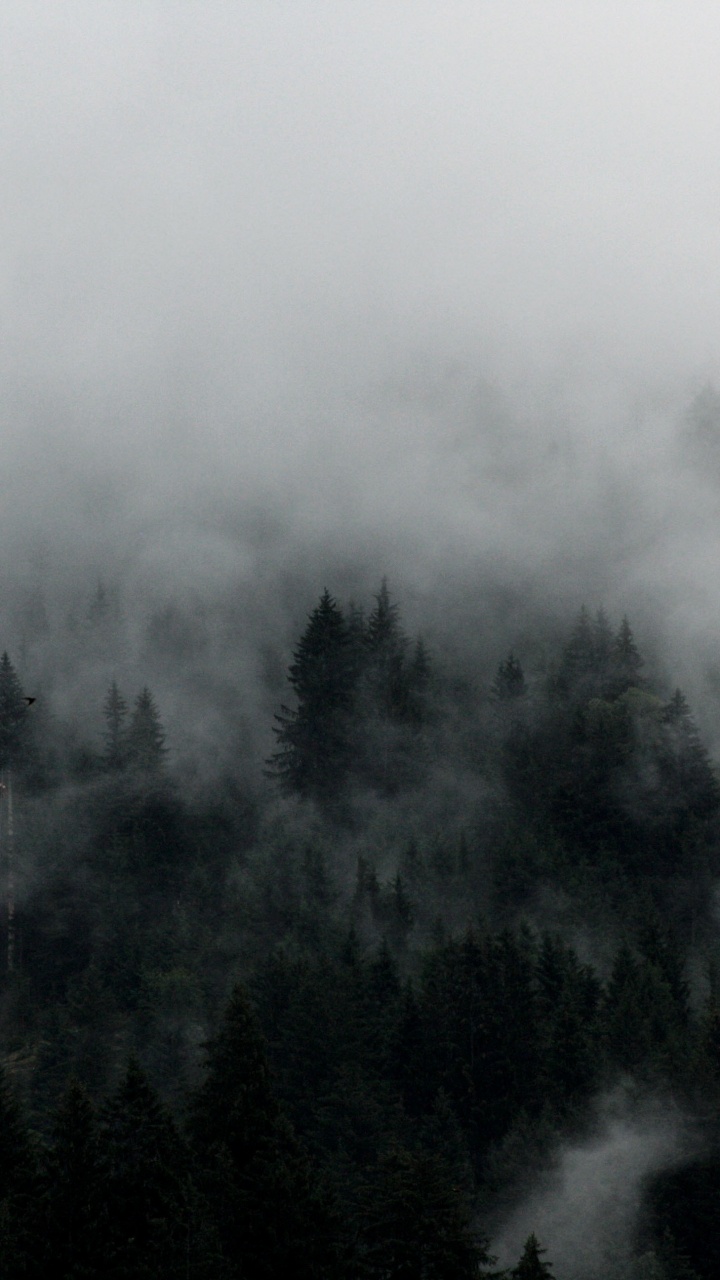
<point>344,1013</point>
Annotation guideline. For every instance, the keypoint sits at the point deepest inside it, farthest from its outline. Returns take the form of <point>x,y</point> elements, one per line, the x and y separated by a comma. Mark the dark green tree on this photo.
<point>626,663</point>
<point>690,790</point>
<point>18,1188</point>
<point>146,748</point>
<point>509,681</point>
<point>569,996</point>
<point>386,662</point>
<point>145,1185</point>
<point>578,662</point>
<point>416,1223</point>
<point>394,701</point>
<point>115,710</point>
<point>273,1216</point>
<point>72,1207</point>
<point>13,716</point>
<point>531,1265</point>
<point>642,1025</point>
<point>419,685</point>
<point>315,739</point>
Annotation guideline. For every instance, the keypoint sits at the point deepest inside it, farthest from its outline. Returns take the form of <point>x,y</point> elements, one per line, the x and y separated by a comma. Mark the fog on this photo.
<point>296,295</point>
<point>587,1213</point>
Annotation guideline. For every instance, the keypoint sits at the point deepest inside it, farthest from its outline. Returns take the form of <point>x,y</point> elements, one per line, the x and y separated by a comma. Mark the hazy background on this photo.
<point>297,294</point>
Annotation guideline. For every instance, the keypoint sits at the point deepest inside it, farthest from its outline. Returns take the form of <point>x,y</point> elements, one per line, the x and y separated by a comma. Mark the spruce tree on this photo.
<point>577,666</point>
<point>625,662</point>
<point>386,662</point>
<point>146,748</point>
<point>18,1187</point>
<point>272,1214</point>
<point>531,1265</point>
<point>602,639</point>
<point>145,1184</point>
<point>509,682</point>
<point>73,1210</point>
<point>688,778</point>
<point>314,738</point>
<point>115,737</point>
<point>13,715</point>
<point>419,682</point>
<point>416,1222</point>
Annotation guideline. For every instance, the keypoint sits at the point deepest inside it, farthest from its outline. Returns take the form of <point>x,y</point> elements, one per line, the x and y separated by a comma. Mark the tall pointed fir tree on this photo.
<point>509,682</point>
<point>115,736</point>
<point>71,1208</point>
<point>145,1185</point>
<point>419,681</point>
<point>625,662</point>
<point>273,1216</point>
<point>690,786</point>
<point>13,715</point>
<point>531,1265</point>
<point>386,648</point>
<point>575,677</point>
<point>315,738</point>
<point>394,701</point>
<point>415,1221</point>
<point>146,748</point>
<point>18,1185</point>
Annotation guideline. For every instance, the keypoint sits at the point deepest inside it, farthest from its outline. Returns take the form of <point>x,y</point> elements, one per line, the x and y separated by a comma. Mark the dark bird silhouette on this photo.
<point>29,701</point>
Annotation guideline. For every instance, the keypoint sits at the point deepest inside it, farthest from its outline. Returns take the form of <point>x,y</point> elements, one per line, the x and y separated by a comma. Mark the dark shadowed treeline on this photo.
<point>342,1021</point>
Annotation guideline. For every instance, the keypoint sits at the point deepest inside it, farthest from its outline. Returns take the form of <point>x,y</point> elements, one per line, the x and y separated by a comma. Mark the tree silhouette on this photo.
<point>531,1265</point>
<point>115,737</point>
<point>13,713</point>
<point>314,739</point>
<point>145,738</point>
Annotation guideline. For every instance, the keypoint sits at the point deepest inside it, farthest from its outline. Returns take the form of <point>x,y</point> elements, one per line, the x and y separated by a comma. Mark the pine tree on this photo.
<point>13,714</point>
<point>145,1184</point>
<point>625,663</point>
<point>115,736</point>
<point>577,665</point>
<point>146,749</point>
<point>415,1222</point>
<point>660,949</point>
<point>690,787</point>
<point>18,1175</point>
<point>419,682</point>
<point>314,739</point>
<point>509,682</point>
<point>386,664</point>
<point>273,1216</point>
<point>72,1207</point>
<point>531,1265</point>
<point>393,701</point>
<point>235,1106</point>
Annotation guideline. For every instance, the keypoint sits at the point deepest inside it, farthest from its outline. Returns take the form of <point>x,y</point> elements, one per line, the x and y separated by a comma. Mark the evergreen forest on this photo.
<point>343,1011</point>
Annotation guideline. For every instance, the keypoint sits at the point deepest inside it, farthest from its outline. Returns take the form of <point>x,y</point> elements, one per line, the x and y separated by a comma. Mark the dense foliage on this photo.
<point>340,1023</point>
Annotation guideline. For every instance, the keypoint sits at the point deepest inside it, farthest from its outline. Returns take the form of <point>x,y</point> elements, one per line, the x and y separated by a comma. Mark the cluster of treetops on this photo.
<point>585,751</point>
<point>394,1073</point>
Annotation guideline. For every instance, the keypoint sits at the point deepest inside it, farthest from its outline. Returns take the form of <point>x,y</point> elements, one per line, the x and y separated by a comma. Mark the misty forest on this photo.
<point>359,640</point>
<point>337,1012</point>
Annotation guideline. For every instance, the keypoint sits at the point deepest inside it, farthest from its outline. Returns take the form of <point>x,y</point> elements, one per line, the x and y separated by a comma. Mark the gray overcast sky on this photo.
<point>247,241</point>
<point>263,187</point>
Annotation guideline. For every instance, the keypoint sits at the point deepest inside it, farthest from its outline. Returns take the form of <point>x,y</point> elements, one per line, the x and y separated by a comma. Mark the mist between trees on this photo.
<point>358,1009</point>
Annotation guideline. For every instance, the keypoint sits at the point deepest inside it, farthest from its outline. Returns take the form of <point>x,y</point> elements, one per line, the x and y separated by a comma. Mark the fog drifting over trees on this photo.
<point>302,298</point>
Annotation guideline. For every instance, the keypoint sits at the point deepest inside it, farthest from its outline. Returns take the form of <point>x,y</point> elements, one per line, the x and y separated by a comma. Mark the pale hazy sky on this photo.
<point>254,245</point>
<point>260,194</point>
